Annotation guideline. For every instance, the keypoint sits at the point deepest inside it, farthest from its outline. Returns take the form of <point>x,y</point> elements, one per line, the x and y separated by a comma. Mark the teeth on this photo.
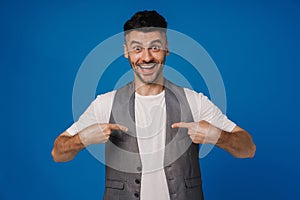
<point>147,66</point>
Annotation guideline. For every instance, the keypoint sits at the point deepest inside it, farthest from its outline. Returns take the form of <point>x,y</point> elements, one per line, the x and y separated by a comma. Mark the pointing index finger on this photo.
<point>182,125</point>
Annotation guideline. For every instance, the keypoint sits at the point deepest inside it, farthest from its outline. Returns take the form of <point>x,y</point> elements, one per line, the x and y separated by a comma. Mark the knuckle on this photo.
<point>204,124</point>
<point>105,138</point>
<point>192,138</point>
<point>107,132</point>
<point>106,126</point>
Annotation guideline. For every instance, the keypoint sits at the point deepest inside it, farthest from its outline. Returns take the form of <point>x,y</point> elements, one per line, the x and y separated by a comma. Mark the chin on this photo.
<point>151,81</point>
<point>148,81</point>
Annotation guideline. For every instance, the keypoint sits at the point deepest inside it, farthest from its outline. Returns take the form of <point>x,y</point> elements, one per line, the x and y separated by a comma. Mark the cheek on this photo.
<point>134,58</point>
<point>160,59</point>
<point>160,55</point>
<point>133,62</point>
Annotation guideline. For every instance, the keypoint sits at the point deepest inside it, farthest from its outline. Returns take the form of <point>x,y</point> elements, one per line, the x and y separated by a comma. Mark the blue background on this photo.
<point>254,44</point>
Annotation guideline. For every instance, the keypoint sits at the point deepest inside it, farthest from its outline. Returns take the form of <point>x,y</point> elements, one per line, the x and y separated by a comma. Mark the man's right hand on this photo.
<point>98,133</point>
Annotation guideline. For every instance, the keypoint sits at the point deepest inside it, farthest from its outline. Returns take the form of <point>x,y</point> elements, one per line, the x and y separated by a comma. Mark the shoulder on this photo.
<point>191,94</point>
<point>106,97</point>
<point>195,102</point>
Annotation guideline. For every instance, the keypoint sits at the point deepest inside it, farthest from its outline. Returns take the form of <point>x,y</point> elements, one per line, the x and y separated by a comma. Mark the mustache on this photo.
<point>136,66</point>
<point>150,62</point>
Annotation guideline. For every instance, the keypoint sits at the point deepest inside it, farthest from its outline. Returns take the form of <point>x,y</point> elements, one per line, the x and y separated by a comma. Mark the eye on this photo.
<point>155,48</point>
<point>137,49</point>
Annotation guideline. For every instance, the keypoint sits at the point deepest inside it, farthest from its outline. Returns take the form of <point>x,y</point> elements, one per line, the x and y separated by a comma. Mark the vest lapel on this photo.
<point>124,146</point>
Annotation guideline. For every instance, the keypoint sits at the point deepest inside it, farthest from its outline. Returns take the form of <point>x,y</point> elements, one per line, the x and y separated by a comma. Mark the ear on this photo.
<point>125,51</point>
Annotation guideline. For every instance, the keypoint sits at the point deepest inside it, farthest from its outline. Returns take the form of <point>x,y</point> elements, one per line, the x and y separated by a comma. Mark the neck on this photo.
<point>145,89</point>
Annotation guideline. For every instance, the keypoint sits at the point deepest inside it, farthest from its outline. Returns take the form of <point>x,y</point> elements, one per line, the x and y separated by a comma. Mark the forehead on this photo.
<point>145,37</point>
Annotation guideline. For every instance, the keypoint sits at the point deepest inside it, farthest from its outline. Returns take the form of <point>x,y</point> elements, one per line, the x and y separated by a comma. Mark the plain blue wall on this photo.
<point>254,44</point>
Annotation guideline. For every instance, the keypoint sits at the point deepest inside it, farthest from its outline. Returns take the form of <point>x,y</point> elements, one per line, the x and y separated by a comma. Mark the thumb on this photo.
<point>118,127</point>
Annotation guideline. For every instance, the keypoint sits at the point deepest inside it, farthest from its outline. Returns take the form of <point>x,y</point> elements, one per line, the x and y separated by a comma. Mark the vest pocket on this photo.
<point>193,182</point>
<point>114,184</point>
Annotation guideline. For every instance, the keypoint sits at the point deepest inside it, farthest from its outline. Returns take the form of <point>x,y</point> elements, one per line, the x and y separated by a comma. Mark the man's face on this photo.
<point>146,52</point>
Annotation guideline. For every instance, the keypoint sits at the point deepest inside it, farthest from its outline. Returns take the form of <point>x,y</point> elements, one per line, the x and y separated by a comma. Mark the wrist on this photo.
<point>82,139</point>
<point>223,138</point>
<point>213,135</point>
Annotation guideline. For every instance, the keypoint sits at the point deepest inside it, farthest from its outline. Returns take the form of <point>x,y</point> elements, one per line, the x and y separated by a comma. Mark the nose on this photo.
<point>146,55</point>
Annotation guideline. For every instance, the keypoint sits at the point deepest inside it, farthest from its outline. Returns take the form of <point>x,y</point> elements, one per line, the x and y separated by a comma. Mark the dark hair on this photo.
<point>146,20</point>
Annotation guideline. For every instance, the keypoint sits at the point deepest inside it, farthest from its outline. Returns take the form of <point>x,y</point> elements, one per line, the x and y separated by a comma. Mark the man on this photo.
<point>152,128</point>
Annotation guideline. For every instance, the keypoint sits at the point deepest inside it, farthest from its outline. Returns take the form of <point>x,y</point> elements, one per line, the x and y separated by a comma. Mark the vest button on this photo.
<point>136,194</point>
<point>139,168</point>
<point>137,181</point>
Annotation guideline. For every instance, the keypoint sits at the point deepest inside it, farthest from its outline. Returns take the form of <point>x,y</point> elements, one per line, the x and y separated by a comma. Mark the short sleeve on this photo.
<point>203,109</point>
<point>97,112</point>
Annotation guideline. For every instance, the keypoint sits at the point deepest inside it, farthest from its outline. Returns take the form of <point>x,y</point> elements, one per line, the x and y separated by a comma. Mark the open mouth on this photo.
<point>148,66</point>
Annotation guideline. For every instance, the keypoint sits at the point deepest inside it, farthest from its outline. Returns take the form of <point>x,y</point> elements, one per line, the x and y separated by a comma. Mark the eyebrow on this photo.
<point>135,42</point>
<point>152,42</point>
<point>156,41</point>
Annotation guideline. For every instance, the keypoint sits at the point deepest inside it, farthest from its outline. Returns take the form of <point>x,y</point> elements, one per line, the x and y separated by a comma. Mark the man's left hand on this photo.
<point>200,132</point>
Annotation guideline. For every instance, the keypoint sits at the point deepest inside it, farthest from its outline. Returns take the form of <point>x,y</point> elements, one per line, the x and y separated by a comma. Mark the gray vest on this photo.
<point>123,163</point>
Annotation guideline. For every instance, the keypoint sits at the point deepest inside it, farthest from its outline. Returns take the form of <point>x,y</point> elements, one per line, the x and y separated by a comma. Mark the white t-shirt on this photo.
<point>150,117</point>
<point>150,111</point>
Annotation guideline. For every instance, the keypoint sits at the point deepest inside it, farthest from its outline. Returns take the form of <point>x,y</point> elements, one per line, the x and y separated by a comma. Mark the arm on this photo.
<point>238,142</point>
<point>66,146</point>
